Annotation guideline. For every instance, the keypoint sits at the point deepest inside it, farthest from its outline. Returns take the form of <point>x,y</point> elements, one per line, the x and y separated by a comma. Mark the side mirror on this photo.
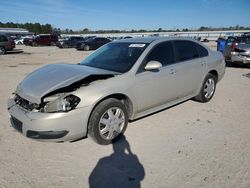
<point>153,66</point>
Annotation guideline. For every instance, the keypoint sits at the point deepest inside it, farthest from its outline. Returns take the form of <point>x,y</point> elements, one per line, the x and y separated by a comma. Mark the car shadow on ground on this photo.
<point>15,51</point>
<point>235,65</point>
<point>121,169</point>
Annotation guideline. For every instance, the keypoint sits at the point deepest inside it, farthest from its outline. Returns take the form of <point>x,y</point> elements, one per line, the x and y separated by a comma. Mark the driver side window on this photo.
<point>162,53</point>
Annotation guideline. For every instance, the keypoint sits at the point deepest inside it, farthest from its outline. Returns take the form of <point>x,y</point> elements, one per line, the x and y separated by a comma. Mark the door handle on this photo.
<point>202,63</point>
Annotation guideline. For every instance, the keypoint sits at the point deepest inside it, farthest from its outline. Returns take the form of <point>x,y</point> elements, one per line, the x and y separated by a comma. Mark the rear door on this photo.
<point>99,42</point>
<point>71,41</point>
<point>40,40</point>
<point>4,42</point>
<point>189,68</point>
<point>47,40</point>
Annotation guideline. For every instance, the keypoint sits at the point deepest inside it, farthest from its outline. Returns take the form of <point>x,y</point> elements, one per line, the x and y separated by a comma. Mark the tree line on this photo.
<point>202,28</point>
<point>38,28</point>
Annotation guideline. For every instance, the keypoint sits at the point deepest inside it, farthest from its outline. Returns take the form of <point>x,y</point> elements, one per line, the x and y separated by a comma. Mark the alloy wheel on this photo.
<point>209,88</point>
<point>111,123</point>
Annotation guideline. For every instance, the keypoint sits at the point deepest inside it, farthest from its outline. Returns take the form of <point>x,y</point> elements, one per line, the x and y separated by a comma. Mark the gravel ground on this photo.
<point>188,145</point>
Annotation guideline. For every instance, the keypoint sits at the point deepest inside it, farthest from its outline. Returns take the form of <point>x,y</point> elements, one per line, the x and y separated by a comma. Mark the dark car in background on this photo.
<point>27,40</point>
<point>237,49</point>
<point>92,43</point>
<point>6,44</point>
<point>42,40</point>
<point>70,42</point>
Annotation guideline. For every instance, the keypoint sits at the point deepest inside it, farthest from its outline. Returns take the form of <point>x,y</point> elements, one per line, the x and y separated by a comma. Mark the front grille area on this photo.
<point>24,103</point>
<point>18,125</point>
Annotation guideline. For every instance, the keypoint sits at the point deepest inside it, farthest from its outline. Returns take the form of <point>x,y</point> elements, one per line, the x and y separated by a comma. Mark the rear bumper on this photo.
<point>49,126</point>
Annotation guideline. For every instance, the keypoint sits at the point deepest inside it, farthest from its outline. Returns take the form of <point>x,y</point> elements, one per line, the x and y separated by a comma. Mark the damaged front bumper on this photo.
<point>60,126</point>
<point>243,58</point>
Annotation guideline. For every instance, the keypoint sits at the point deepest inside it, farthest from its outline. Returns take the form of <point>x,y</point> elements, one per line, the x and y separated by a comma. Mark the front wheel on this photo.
<point>207,89</point>
<point>64,46</point>
<point>108,120</point>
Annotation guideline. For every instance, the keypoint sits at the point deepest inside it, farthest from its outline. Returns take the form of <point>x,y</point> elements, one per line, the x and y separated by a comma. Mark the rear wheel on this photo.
<point>2,50</point>
<point>86,47</point>
<point>108,120</point>
<point>34,44</point>
<point>207,89</point>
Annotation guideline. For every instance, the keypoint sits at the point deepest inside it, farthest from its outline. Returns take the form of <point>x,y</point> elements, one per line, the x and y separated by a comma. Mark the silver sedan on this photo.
<point>123,80</point>
<point>238,49</point>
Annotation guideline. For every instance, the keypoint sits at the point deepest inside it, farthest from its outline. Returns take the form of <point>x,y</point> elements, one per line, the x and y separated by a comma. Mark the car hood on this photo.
<point>53,77</point>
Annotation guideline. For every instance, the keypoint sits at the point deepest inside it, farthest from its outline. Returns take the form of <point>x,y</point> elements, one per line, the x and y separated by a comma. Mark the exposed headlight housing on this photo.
<point>62,104</point>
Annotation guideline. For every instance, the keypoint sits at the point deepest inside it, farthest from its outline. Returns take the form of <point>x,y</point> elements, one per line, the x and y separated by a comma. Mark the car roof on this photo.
<point>138,40</point>
<point>151,39</point>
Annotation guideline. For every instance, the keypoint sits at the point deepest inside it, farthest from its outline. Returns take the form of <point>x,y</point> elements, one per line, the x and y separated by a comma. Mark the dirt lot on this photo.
<point>189,145</point>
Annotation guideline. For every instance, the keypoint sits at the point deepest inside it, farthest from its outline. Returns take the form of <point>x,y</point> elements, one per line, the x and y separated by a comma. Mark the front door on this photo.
<point>154,88</point>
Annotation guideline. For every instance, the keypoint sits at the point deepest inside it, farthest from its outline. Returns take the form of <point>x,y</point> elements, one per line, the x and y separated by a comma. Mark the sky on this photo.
<point>127,14</point>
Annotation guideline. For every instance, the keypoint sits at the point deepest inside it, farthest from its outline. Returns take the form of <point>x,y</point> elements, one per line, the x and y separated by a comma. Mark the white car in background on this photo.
<point>20,40</point>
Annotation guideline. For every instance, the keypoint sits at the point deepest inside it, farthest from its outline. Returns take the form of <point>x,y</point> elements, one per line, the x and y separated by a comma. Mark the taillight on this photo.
<point>234,45</point>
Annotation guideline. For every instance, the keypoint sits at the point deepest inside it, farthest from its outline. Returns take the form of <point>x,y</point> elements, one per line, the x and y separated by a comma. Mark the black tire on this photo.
<point>202,96</point>
<point>2,51</point>
<point>34,44</point>
<point>86,47</point>
<point>94,125</point>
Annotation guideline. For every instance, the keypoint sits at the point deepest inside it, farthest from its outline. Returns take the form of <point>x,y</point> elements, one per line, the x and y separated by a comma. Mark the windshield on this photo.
<point>244,40</point>
<point>118,57</point>
<point>90,40</point>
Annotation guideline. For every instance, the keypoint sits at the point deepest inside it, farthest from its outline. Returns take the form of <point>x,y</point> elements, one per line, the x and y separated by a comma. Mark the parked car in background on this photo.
<point>237,49</point>
<point>6,44</point>
<point>123,80</point>
<point>42,40</point>
<point>20,41</point>
<point>70,42</point>
<point>26,40</point>
<point>92,43</point>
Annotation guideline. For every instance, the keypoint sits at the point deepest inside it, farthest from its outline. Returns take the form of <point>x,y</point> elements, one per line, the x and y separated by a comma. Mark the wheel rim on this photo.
<point>2,51</point>
<point>87,47</point>
<point>209,88</point>
<point>111,123</point>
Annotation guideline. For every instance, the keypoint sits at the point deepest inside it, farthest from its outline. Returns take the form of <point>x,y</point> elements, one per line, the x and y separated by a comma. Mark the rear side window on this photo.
<point>202,51</point>
<point>163,53</point>
<point>186,50</point>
